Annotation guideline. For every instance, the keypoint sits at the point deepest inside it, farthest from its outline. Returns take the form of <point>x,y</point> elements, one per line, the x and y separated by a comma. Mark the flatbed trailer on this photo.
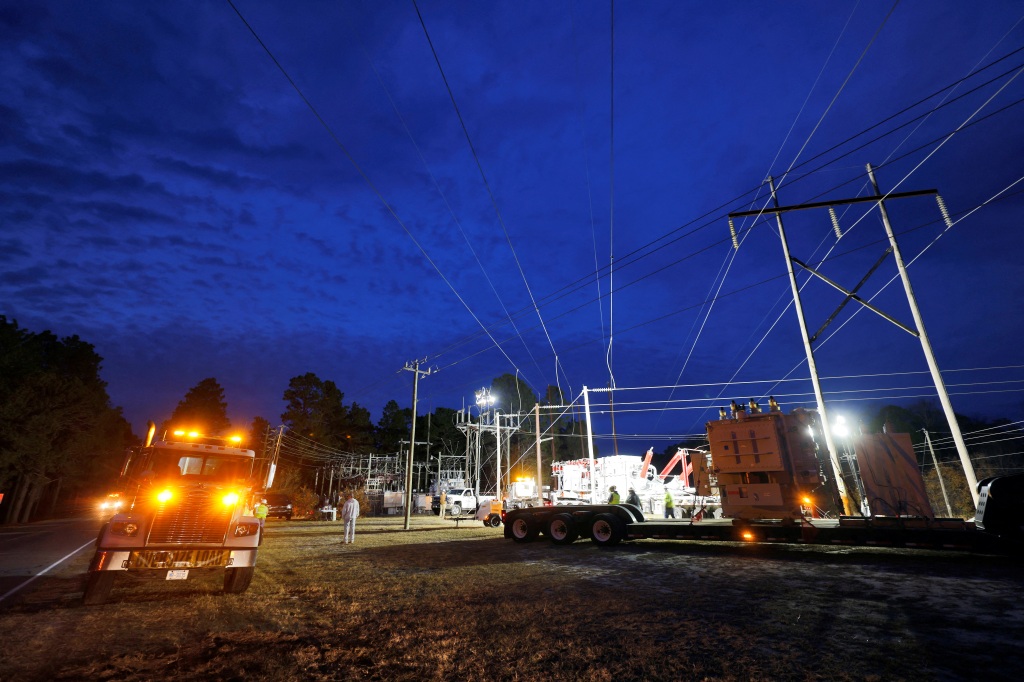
<point>997,531</point>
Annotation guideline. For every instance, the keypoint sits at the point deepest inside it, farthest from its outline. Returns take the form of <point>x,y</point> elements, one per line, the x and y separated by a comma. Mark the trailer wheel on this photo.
<point>97,587</point>
<point>456,509</point>
<point>524,529</point>
<point>236,580</point>
<point>492,521</point>
<point>562,529</point>
<point>607,530</point>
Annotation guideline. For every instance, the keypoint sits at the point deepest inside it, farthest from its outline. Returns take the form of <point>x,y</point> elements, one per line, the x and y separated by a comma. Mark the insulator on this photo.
<point>732,231</point>
<point>943,210</point>
<point>835,222</point>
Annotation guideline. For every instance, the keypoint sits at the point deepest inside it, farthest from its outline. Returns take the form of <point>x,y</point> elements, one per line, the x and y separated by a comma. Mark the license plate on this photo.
<point>177,575</point>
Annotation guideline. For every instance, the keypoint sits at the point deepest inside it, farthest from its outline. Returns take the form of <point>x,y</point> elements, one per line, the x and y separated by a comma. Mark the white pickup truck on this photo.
<point>458,501</point>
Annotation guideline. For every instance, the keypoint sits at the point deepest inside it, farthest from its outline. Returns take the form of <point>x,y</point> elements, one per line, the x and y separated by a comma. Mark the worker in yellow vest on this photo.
<point>261,512</point>
<point>613,498</point>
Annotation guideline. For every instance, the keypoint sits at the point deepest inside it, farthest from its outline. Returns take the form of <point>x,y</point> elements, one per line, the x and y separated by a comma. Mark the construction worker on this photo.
<point>261,513</point>
<point>670,505</point>
<point>633,498</point>
<point>613,497</point>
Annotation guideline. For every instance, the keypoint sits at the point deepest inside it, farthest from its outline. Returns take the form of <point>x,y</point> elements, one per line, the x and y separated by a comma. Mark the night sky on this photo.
<point>171,197</point>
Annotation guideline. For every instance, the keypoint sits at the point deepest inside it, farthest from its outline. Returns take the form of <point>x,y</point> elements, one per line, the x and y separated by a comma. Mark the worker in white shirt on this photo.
<point>349,513</point>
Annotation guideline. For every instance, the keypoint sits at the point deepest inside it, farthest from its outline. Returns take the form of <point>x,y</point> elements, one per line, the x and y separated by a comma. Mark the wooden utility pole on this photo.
<point>413,367</point>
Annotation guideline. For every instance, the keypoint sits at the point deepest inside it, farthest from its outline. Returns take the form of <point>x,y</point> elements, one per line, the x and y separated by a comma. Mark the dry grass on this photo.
<point>440,603</point>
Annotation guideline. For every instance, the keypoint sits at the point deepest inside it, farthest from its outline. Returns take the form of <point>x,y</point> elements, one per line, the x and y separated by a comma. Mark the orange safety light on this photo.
<point>164,495</point>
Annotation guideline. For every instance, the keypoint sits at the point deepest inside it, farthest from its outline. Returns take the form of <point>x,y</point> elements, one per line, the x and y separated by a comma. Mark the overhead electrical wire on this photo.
<point>640,253</point>
<point>586,168</point>
<point>807,141</point>
<point>483,176</point>
<point>930,154</point>
<point>451,211</point>
<point>363,174</point>
<point>611,198</point>
<point>643,254</point>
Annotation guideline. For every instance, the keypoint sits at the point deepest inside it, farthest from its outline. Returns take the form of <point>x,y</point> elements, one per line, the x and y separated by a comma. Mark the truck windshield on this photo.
<point>171,464</point>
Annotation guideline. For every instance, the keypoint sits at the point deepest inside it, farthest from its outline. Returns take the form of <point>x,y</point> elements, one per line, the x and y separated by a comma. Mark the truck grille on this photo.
<point>196,517</point>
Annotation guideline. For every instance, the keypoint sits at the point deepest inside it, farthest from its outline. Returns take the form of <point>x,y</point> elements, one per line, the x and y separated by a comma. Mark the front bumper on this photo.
<point>142,559</point>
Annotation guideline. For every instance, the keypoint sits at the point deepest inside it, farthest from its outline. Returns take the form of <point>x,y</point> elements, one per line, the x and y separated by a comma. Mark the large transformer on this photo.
<point>766,463</point>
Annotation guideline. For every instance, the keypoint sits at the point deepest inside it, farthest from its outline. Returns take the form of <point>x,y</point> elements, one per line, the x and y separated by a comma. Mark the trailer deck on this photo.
<point>610,524</point>
<point>880,531</point>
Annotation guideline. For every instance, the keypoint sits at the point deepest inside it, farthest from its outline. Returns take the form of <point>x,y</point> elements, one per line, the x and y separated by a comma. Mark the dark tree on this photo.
<point>393,427</point>
<point>316,410</point>
<point>358,429</point>
<point>58,432</point>
<point>203,409</point>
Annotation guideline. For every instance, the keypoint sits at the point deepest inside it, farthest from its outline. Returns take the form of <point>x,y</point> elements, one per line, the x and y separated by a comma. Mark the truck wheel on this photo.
<point>237,580</point>
<point>524,529</point>
<point>492,521</point>
<point>562,529</point>
<point>97,587</point>
<point>608,530</point>
<point>456,509</point>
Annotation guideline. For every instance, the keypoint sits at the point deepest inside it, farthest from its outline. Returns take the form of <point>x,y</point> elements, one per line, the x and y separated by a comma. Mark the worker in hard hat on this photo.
<point>261,513</point>
<point>613,497</point>
<point>633,498</point>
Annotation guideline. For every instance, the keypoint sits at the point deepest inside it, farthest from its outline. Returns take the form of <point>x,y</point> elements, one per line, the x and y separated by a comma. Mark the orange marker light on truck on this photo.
<point>164,496</point>
<point>230,499</point>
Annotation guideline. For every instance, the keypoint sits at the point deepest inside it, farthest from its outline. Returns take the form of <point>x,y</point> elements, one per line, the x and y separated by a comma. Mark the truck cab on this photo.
<point>185,512</point>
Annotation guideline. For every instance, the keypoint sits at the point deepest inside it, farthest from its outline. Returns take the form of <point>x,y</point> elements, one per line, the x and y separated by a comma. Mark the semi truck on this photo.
<point>766,469</point>
<point>186,511</point>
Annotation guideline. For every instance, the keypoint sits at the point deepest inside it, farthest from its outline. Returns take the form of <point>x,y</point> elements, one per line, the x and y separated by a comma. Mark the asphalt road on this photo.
<point>30,550</point>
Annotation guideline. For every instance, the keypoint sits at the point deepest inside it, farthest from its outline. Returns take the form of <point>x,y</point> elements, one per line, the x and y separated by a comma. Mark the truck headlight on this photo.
<point>230,499</point>
<point>164,495</point>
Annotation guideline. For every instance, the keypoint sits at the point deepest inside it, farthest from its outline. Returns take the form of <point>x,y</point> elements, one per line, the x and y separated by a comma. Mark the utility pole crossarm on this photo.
<point>836,202</point>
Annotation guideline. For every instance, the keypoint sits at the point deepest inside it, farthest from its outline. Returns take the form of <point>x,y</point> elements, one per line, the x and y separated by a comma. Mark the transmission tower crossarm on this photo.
<point>877,198</point>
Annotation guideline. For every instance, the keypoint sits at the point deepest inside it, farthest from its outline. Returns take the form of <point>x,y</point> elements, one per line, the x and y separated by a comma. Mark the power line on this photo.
<point>487,185</point>
<point>365,177</point>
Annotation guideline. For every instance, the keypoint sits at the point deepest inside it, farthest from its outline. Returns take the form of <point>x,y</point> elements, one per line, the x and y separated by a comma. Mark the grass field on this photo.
<point>444,603</point>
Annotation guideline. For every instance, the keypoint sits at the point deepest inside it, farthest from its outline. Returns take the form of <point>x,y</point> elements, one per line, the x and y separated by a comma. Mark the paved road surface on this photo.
<point>29,549</point>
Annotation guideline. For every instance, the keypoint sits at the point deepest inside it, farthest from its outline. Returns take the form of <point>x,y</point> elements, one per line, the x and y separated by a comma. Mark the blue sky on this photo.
<point>169,197</point>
